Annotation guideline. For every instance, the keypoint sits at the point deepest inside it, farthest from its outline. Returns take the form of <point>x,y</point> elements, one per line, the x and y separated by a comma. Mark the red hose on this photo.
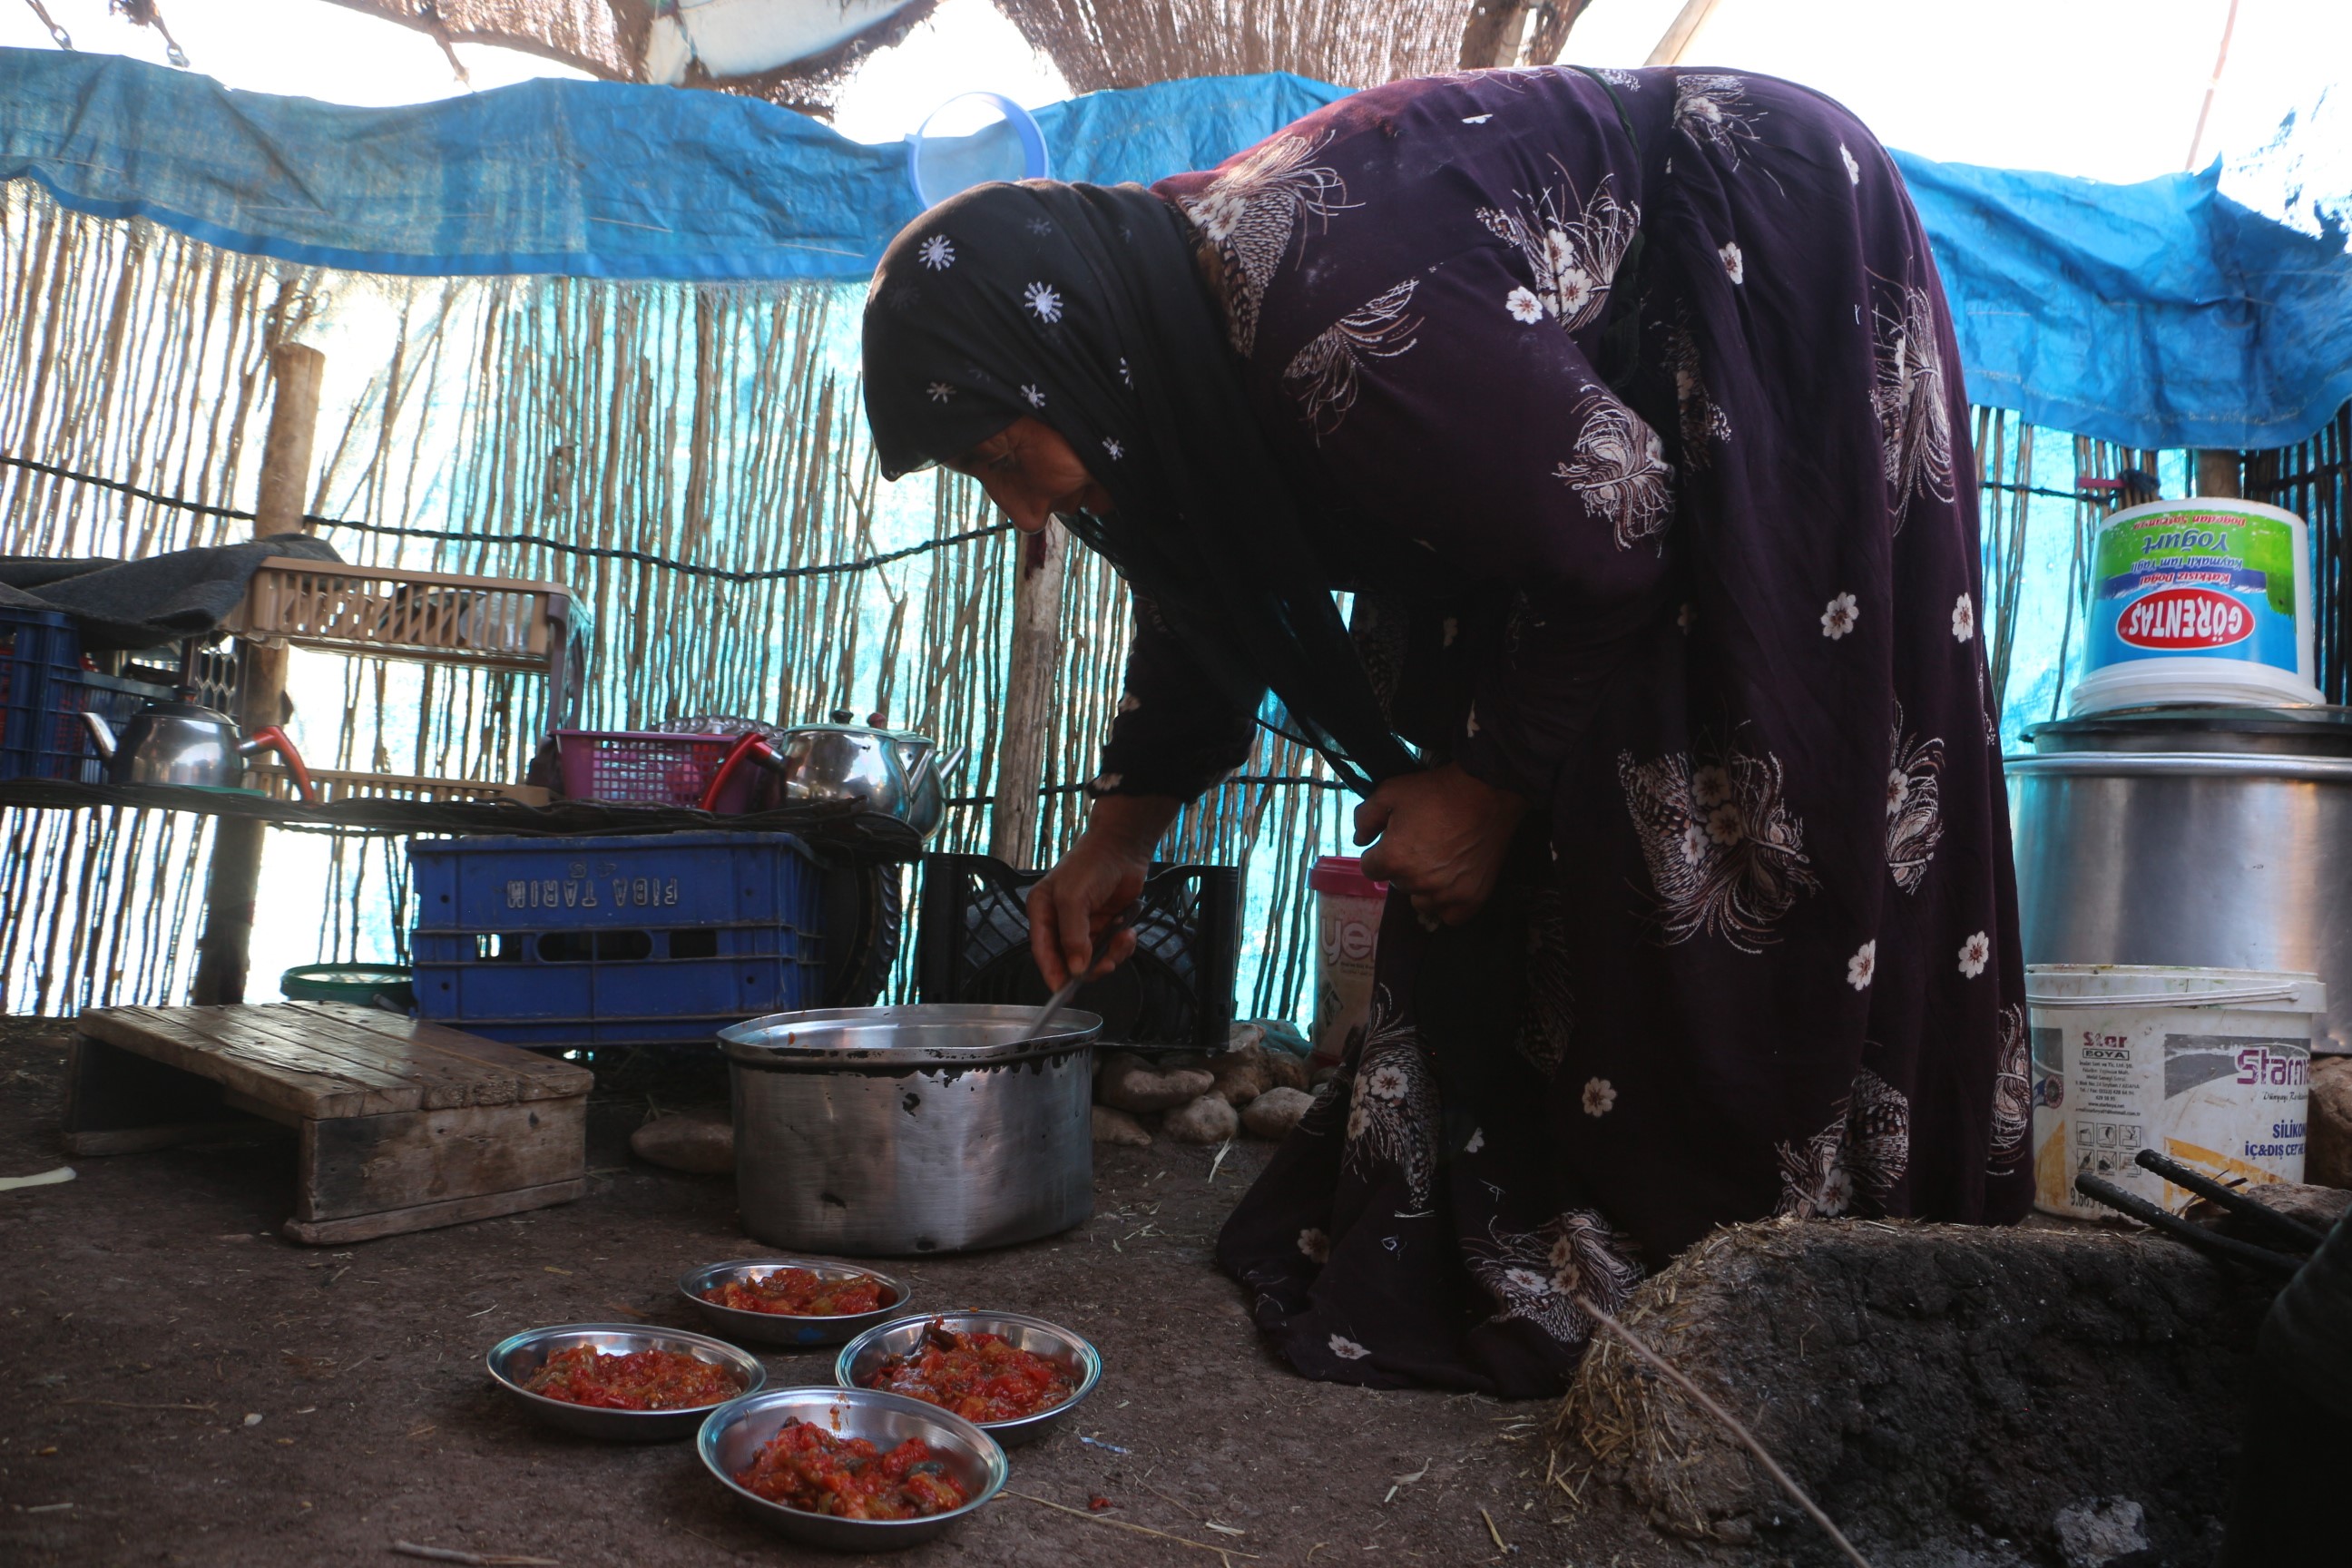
<point>751,744</point>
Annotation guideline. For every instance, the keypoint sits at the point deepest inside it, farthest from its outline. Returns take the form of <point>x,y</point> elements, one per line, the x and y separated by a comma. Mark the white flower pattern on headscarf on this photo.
<point>1713,111</point>
<point>1975,954</point>
<point>1322,375</point>
<point>1249,213</point>
<point>2012,1093</point>
<point>1042,299</point>
<point>1727,855</point>
<point>1915,810</point>
<point>1534,1276</point>
<point>1914,422</point>
<point>1392,1111</point>
<point>1852,1165</point>
<point>1572,249</point>
<point>1702,421</point>
<point>937,253</point>
<point>1619,470</point>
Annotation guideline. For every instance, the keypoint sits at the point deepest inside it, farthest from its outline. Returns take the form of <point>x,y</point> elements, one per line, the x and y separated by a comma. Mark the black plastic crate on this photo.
<point>972,944</point>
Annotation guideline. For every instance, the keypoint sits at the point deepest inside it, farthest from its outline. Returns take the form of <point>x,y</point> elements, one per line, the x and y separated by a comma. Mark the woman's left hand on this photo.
<point>1442,835</point>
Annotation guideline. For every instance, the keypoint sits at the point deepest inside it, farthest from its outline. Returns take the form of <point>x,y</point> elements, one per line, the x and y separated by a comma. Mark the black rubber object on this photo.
<point>972,944</point>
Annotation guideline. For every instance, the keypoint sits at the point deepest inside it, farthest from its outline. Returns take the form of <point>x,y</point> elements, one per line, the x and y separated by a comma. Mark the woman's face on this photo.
<point>1029,470</point>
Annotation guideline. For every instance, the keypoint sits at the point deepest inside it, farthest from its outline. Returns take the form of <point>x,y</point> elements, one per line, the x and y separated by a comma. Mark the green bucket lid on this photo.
<point>357,982</point>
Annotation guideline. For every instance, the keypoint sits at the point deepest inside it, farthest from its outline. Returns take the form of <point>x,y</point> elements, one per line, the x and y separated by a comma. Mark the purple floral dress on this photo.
<point>1629,408</point>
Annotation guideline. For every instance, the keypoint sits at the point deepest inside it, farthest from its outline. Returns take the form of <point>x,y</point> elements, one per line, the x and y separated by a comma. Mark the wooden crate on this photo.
<point>339,784</point>
<point>403,1125</point>
<point>498,622</point>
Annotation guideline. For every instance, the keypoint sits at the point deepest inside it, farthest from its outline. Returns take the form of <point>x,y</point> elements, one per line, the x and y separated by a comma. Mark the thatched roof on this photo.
<point>1095,43</point>
<point>607,38</point>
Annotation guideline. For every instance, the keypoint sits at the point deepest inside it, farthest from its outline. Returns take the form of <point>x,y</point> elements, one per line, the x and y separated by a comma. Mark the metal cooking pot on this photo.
<point>2206,836</point>
<point>880,1132</point>
<point>893,771</point>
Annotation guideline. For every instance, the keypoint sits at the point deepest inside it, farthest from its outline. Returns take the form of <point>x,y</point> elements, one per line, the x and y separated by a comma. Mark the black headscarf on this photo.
<point>1080,305</point>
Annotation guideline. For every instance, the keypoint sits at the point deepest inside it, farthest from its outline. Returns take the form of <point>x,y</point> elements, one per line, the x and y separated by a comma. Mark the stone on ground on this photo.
<point>1130,1083</point>
<point>2328,1157</point>
<point>1937,1388</point>
<point>1208,1119</point>
<point>1274,1113</point>
<point>700,1143</point>
<point>1243,1074</point>
<point>2096,1531</point>
<point>1114,1126</point>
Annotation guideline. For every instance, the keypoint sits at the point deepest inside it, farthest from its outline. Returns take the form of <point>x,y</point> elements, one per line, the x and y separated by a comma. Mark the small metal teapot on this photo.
<point>187,743</point>
<point>892,772</point>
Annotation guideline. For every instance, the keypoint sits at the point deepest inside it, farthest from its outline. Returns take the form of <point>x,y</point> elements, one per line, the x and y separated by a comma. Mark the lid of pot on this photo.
<point>932,1035</point>
<point>2317,730</point>
<point>844,722</point>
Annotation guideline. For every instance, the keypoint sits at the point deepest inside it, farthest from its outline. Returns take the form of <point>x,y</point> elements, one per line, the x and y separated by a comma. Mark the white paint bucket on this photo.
<point>2203,600</point>
<point>1347,906</point>
<point>2212,1066</point>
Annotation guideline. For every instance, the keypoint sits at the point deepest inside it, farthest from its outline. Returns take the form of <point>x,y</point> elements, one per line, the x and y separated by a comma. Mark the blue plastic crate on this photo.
<point>650,881</point>
<point>41,731</point>
<point>587,941</point>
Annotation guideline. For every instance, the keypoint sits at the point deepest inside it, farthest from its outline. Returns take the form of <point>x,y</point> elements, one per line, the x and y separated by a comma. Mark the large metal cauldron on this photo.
<point>2208,837</point>
<point>880,1132</point>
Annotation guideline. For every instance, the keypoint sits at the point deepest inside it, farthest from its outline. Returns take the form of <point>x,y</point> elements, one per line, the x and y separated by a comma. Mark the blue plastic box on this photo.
<point>586,942</point>
<point>41,732</point>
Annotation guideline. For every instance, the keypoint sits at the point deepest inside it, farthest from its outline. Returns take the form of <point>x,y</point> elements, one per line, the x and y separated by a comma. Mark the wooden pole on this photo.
<point>1028,695</point>
<point>1681,33</point>
<point>1491,36</point>
<point>235,876</point>
<point>1517,32</point>
<point>2220,475</point>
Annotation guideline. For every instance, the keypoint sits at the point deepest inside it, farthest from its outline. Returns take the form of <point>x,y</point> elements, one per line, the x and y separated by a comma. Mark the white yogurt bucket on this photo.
<point>2203,600</point>
<point>1348,907</point>
<point>2212,1066</point>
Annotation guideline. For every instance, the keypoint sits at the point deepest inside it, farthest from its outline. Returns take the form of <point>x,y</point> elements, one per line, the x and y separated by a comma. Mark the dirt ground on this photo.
<point>184,1386</point>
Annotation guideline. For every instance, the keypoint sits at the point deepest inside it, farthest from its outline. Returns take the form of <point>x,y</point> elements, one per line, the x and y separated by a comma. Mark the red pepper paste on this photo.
<point>981,1377</point>
<point>798,1293</point>
<point>809,1468</point>
<point>641,1380</point>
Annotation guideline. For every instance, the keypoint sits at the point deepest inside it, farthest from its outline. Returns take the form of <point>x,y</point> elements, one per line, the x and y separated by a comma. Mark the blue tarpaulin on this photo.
<point>2159,314</point>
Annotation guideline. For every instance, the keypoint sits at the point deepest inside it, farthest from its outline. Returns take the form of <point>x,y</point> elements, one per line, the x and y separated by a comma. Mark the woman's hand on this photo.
<point>1102,874</point>
<point>1442,835</point>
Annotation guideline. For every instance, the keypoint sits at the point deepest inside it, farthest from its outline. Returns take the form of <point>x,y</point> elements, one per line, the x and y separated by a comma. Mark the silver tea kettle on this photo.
<point>187,743</point>
<point>893,771</point>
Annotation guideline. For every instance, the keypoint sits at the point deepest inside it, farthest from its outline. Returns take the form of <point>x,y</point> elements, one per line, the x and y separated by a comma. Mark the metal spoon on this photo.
<point>1061,998</point>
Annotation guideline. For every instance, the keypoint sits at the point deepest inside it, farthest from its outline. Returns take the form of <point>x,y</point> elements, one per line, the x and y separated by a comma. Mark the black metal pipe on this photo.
<point>2283,1228</point>
<point>2196,1236</point>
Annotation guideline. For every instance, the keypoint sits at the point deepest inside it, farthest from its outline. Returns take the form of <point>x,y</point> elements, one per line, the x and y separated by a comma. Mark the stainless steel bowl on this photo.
<point>1066,1349</point>
<point>735,1432</point>
<point>781,1328</point>
<point>513,1360</point>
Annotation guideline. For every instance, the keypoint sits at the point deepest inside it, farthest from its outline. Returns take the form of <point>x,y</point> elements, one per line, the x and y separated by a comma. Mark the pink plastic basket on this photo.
<point>647,769</point>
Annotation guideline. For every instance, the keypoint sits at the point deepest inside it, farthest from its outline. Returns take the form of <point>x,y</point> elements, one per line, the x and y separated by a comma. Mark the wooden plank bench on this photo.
<point>404,1125</point>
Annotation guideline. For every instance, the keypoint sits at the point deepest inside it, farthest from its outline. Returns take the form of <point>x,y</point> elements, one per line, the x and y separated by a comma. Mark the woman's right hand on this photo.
<point>1102,874</point>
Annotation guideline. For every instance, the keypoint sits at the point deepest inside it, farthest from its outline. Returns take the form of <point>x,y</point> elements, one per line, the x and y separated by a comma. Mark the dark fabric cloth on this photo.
<point>153,601</point>
<point>2298,1419</point>
<point>1081,305</point>
<point>1708,597</point>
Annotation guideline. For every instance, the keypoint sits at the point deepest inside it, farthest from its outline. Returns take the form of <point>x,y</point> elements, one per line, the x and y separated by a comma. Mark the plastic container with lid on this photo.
<point>2212,1066</point>
<point>1347,943</point>
<point>2203,600</point>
